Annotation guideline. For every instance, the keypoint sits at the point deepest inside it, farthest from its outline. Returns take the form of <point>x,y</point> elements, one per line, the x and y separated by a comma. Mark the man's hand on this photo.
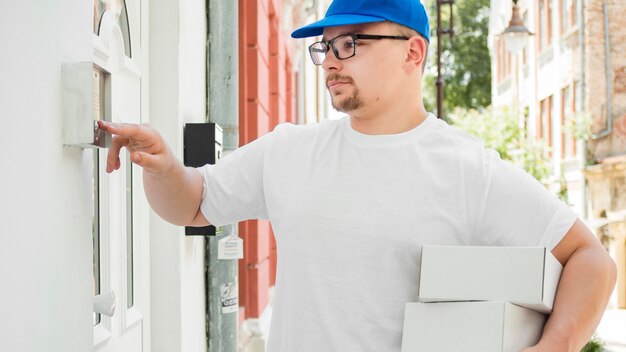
<point>173,190</point>
<point>584,289</point>
<point>145,145</point>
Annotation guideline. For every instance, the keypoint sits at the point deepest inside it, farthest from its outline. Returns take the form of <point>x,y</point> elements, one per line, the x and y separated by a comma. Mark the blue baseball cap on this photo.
<point>409,13</point>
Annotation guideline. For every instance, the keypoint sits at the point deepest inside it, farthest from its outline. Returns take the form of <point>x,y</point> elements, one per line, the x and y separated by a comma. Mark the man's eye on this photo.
<point>349,44</point>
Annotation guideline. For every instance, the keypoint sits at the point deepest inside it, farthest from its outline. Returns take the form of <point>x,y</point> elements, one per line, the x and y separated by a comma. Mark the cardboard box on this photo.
<point>526,276</point>
<point>470,327</point>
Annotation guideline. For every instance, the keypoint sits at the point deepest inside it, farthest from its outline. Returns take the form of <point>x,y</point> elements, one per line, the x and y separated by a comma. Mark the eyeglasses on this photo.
<point>344,46</point>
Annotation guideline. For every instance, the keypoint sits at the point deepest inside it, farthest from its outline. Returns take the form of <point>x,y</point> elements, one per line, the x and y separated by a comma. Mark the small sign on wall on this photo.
<point>229,294</point>
<point>229,248</point>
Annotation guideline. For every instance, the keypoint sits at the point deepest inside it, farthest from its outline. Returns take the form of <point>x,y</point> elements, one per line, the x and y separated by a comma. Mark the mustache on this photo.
<point>338,77</point>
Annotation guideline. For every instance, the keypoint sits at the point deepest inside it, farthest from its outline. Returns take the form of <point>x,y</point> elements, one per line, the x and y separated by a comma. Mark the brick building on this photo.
<point>277,83</point>
<point>266,98</point>
<point>572,72</point>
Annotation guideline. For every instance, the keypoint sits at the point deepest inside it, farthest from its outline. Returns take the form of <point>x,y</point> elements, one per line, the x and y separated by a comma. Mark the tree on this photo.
<point>466,63</point>
<point>500,130</point>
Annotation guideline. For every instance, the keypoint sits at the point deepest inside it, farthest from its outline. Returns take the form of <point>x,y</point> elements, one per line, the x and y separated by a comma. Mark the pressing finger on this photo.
<point>127,130</point>
<point>113,156</point>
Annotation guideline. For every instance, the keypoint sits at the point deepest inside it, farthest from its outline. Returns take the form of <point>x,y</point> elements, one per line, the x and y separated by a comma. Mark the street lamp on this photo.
<point>516,35</point>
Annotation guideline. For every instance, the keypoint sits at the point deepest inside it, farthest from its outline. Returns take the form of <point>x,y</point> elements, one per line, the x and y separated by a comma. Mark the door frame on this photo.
<point>108,53</point>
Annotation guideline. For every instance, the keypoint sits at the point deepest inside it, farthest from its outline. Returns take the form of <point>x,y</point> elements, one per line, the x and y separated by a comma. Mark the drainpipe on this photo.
<point>607,76</point>
<point>581,42</point>
<point>223,109</point>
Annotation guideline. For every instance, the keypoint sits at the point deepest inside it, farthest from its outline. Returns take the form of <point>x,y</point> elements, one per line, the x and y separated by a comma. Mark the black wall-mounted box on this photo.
<point>203,145</point>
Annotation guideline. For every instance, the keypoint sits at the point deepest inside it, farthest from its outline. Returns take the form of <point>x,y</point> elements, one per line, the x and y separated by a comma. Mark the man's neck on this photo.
<point>392,121</point>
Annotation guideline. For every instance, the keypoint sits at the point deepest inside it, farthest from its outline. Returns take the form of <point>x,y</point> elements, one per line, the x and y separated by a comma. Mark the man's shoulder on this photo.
<point>456,135</point>
<point>454,140</point>
<point>311,127</point>
<point>461,148</point>
<point>306,132</point>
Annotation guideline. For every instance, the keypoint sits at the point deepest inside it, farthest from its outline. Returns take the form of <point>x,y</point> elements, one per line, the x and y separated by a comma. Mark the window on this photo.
<point>544,24</point>
<point>116,8</point>
<point>508,63</point>
<point>123,22</point>
<point>549,14</point>
<point>569,15</point>
<point>504,60</point>
<point>541,25</point>
<point>551,115</point>
<point>539,120</point>
<point>544,122</point>
<point>526,50</point>
<point>573,14</point>
<point>568,108</point>
<point>500,58</point>
<point>130,294</point>
<point>500,55</point>
<point>576,96</point>
<point>99,6</point>
<point>564,14</point>
<point>565,98</point>
<point>95,230</point>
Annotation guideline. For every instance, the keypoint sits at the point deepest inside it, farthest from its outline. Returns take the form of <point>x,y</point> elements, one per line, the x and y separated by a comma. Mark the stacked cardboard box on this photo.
<point>483,299</point>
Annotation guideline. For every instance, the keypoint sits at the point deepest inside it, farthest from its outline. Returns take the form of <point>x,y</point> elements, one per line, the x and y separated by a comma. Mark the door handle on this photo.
<point>104,303</point>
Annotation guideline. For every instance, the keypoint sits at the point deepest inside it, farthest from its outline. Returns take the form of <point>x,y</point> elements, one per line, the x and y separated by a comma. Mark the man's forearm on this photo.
<point>586,284</point>
<point>175,195</point>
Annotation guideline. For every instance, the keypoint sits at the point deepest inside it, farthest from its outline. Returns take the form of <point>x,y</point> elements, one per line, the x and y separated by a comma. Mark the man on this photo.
<point>353,201</point>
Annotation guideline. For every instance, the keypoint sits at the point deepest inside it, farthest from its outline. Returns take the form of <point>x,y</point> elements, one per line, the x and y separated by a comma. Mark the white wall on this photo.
<point>45,188</point>
<point>193,109</point>
<point>177,96</point>
<point>45,218</point>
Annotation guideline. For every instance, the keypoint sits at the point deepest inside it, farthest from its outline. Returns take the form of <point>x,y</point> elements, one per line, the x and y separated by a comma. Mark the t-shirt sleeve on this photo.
<point>233,187</point>
<point>517,210</point>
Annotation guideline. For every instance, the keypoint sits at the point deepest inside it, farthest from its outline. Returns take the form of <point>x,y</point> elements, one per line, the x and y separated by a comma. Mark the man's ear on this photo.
<point>416,53</point>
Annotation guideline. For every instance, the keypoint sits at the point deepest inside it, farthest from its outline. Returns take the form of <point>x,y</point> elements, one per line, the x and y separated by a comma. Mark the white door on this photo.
<point>121,257</point>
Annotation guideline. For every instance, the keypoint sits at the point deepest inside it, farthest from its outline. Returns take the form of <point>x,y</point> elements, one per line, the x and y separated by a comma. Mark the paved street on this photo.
<point>612,330</point>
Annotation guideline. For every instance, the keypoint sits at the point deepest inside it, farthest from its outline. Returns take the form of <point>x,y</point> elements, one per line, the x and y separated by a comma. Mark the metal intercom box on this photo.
<point>203,145</point>
<point>86,100</point>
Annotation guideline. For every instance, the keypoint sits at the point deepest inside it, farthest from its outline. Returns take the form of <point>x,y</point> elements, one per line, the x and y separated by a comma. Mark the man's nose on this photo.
<point>331,62</point>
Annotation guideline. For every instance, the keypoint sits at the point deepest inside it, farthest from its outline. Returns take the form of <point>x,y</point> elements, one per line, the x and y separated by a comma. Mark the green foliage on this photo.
<point>500,130</point>
<point>563,194</point>
<point>533,157</point>
<point>594,345</point>
<point>466,63</point>
<point>579,125</point>
<point>497,129</point>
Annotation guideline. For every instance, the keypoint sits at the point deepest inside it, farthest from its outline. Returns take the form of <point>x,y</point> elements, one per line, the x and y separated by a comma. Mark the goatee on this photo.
<point>347,104</point>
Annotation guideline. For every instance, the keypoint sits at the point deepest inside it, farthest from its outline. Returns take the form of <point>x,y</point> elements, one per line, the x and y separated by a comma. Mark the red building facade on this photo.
<point>266,98</point>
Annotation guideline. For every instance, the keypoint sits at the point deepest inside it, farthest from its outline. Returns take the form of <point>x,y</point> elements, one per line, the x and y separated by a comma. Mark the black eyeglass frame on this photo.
<point>330,44</point>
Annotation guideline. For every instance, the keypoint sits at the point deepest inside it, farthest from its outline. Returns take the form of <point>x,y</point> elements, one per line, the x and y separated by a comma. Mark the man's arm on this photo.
<point>586,284</point>
<point>173,190</point>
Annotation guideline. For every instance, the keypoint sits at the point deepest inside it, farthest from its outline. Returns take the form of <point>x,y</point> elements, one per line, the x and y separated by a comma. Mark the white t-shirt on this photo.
<point>351,213</point>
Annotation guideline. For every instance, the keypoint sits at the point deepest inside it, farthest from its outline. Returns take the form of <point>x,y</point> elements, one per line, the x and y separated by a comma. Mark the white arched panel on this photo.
<point>123,264</point>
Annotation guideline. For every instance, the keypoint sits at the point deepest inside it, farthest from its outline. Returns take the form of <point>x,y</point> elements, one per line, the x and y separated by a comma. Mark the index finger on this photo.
<point>126,130</point>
